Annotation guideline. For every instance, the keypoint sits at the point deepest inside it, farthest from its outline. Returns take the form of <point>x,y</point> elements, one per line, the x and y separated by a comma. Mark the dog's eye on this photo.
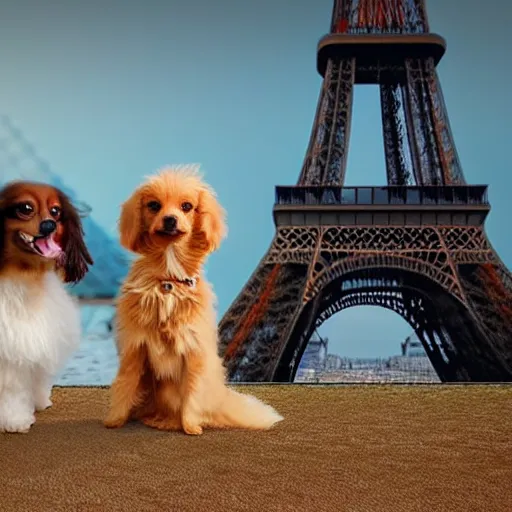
<point>186,206</point>
<point>154,206</point>
<point>55,212</point>
<point>24,210</point>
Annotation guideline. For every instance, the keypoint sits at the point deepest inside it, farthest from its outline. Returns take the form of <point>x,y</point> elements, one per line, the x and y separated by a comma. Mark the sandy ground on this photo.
<point>339,449</point>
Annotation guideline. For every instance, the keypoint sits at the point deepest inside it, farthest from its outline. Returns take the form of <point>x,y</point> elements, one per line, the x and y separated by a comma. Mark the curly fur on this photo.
<point>170,375</point>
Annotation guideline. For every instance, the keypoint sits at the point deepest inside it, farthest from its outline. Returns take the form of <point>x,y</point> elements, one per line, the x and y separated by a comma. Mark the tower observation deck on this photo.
<point>416,246</point>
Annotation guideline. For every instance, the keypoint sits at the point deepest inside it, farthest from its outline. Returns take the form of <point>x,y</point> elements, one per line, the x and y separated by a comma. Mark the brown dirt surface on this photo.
<point>339,449</point>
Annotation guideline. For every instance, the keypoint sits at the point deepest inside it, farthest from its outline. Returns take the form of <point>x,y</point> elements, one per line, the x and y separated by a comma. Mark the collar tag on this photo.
<point>167,286</point>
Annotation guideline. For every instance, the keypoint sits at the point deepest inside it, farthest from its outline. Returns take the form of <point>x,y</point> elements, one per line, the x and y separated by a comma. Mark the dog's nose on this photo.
<point>47,227</point>
<point>170,223</point>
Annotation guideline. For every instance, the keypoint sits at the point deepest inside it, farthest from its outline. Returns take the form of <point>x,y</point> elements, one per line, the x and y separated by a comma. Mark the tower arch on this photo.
<point>426,227</point>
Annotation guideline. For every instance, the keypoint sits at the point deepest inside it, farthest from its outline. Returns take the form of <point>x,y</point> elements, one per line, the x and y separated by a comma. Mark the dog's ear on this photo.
<point>7,193</point>
<point>77,257</point>
<point>130,222</point>
<point>2,223</point>
<point>212,219</point>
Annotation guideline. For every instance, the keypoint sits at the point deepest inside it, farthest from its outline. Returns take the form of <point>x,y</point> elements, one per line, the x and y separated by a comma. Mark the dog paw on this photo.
<point>19,425</point>
<point>161,423</point>
<point>43,404</point>
<point>193,430</point>
<point>114,422</point>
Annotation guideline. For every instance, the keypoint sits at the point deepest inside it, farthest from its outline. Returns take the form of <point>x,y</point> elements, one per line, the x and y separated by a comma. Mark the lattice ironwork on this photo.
<point>435,156</point>
<point>379,17</point>
<point>412,306</point>
<point>417,247</point>
<point>271,292</point>
<point>326,157</point>
<point>399,168</point>
<point>488,287</point>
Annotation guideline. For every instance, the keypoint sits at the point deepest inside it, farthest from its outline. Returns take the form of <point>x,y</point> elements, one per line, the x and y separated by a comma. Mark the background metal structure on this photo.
<point>417,246</point>
<point>20,161</point>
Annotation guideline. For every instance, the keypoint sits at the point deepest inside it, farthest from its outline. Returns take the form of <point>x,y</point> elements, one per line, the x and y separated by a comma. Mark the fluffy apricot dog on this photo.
<point>170,375</point>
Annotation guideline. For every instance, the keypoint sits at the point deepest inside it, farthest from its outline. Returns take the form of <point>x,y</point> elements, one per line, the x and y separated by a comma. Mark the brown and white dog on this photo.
<point>41,247</point>
<point>170,375</point>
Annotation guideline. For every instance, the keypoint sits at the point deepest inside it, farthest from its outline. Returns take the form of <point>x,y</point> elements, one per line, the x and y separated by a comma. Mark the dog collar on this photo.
<point>167,284</point>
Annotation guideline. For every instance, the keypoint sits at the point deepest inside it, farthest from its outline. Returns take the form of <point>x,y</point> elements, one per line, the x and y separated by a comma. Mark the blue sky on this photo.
<point>109,91</point>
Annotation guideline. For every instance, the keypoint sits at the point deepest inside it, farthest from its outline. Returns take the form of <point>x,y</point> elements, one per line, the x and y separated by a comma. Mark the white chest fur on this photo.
<point>39,325</point>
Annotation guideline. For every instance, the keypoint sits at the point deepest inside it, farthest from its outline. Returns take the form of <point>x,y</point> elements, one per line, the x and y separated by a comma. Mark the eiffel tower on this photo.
<point>416,246</point>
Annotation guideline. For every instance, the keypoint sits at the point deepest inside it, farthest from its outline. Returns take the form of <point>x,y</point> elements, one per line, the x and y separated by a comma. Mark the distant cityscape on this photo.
<point>96,361</point>
<point>412,365</point>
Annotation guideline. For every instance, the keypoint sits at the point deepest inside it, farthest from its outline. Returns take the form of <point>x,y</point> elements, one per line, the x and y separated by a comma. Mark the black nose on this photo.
<point>170,223</point>
<point>47,227</point>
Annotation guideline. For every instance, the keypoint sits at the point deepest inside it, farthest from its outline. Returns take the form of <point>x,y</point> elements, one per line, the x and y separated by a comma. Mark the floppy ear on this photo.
<point>2,224</point>
<point>130,223</point>
<point>212,219</point>
<point>77,256</point>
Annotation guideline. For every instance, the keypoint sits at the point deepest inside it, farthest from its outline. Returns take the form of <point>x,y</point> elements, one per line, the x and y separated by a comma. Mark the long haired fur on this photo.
<point>77,257</point>
<point>170,375</point>
<point>39,321</point>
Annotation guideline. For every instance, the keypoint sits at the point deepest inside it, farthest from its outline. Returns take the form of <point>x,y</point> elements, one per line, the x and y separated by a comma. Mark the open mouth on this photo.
<point>44,246</point>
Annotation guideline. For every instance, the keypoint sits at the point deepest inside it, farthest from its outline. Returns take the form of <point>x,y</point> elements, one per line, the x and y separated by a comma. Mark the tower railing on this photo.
<point>379,17</point>
<point>471,195</point>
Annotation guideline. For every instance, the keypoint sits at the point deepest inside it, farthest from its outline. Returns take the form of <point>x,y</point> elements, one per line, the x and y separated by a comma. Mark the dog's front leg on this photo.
<point>191,412</point>
<point>125,388</point>
<point>42,383</point>
<point>16,400</point>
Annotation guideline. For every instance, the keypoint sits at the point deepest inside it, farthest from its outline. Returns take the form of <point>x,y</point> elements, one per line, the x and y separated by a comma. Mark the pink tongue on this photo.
<point>48,247</point>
